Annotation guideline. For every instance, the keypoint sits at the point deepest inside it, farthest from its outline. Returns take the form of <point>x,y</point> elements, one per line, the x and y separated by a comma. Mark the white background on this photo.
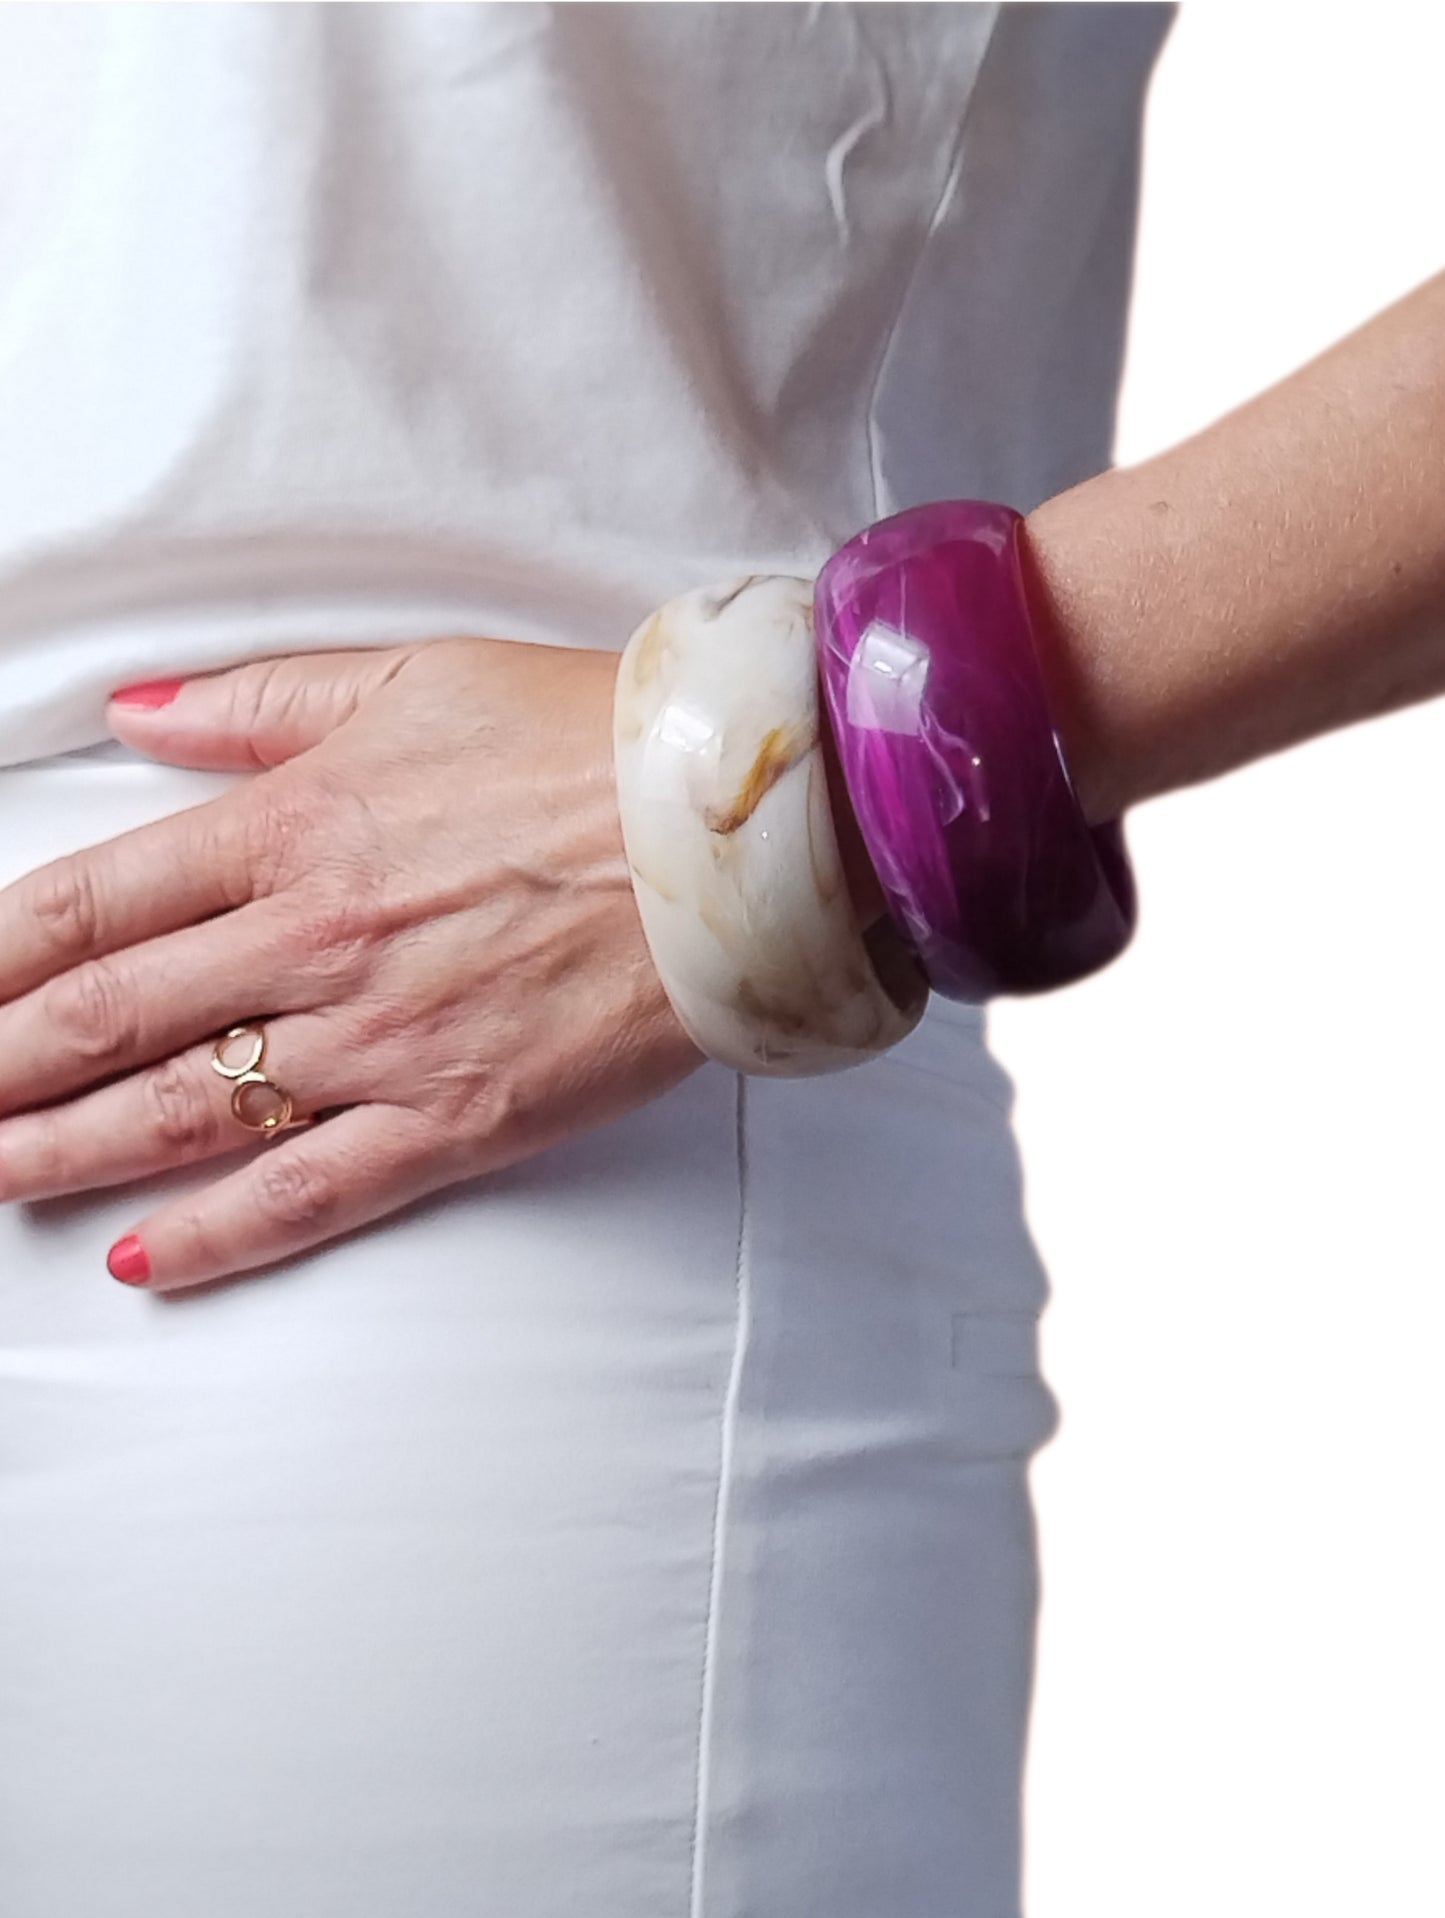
<point>1234,1139</point>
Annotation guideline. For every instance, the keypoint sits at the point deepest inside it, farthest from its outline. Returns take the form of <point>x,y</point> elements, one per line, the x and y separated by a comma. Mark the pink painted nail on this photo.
<point>151,693</point>
<point>127,1261</point>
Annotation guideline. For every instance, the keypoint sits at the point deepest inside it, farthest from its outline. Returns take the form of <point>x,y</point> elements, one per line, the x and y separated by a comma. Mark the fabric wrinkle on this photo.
<point>935,218</point>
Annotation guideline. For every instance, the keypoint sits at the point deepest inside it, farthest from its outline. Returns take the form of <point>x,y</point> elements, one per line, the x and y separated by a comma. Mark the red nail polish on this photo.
<point>127,1261</point>
<point>151,693</point>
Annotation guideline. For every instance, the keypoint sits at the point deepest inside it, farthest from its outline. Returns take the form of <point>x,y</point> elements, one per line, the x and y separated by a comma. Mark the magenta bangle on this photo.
<point>932,679</point>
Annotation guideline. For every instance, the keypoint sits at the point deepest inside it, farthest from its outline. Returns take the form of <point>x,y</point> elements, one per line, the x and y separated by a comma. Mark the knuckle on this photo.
<point>325,942</point>
<point>505,1106</point>
<point>212,839</point>
<point>258,694</point>
<point>296,1193</point>
<point>66,909</point>
<point>94,1011</point>
<point>496,1109</point>
<point>330,924</point>
<point>385,1021</point>
<point>182,1118</point>
<point>278,820</point>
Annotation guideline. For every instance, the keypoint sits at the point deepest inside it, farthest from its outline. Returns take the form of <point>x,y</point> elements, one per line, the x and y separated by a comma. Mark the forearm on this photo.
<point>1274,577</point>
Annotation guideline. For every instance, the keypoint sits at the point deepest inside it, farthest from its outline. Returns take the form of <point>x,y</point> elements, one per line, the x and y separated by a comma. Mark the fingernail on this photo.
<point>127,1261</point>
<point>151,693</point>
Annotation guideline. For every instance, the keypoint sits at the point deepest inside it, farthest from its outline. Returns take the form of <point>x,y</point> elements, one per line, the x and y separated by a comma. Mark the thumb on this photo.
<point>253,716</point>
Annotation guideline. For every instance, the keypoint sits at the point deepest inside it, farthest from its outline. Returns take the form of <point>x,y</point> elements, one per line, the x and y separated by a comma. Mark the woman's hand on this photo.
<point>423,894</point>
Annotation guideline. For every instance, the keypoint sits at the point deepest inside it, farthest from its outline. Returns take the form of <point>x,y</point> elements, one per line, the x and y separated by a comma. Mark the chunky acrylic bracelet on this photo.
<point>926,640</point>
<point>723,797</point>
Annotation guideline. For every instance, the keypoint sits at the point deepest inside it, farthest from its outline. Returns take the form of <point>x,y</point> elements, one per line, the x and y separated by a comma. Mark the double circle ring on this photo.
<point>257,1102</point>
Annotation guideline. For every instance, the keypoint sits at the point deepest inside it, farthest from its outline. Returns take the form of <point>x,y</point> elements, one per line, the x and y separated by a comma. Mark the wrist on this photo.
<point>1082,583</point>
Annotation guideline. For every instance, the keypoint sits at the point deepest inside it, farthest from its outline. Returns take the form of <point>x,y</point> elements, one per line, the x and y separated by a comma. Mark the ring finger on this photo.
<point>111,1015</point>
<point>176,1112</point>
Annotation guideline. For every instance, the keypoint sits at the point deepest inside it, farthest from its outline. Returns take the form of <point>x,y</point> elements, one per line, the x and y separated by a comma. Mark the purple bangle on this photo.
<point>930,670</point>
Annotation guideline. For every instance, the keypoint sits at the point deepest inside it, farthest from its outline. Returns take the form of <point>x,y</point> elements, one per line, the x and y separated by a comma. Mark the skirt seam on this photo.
<point>727,1436</point>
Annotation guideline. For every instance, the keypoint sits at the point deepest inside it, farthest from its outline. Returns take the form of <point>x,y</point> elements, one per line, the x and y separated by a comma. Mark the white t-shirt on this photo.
<point>326,325</point>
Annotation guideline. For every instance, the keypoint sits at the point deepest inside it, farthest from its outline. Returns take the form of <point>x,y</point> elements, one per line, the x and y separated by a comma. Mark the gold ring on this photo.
<point>247,1076</point>
<point>256,1039</point>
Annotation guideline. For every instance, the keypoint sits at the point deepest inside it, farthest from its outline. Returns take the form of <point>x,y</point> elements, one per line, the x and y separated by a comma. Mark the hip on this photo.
<point>556,1534</point>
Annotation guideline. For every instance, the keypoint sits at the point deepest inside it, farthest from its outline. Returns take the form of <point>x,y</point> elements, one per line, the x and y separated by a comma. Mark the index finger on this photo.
<point>151,880</point>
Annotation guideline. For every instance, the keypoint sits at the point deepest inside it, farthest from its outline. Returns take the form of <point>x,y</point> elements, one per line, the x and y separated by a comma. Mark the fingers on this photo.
<point>144,883</point>
<point>309,1187</point>
<point>253,717</point>
<point>173,1114</point>
<point>153,1000</point>
<point>212,857</point>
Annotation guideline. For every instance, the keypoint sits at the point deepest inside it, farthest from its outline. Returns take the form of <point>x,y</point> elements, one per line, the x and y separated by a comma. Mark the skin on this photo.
<point>1275,577</point>
<point>423,888</point>
<point>424,892</point>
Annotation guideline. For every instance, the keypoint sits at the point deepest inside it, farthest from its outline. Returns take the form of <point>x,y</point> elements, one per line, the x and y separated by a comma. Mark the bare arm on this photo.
<point>1276,576</point>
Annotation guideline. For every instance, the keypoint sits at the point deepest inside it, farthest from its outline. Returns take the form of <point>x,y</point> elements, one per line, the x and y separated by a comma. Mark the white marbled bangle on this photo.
<point>723,795</point>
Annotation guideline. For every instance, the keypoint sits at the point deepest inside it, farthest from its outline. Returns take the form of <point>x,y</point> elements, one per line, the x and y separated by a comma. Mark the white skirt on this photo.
<point>643,1532</point>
